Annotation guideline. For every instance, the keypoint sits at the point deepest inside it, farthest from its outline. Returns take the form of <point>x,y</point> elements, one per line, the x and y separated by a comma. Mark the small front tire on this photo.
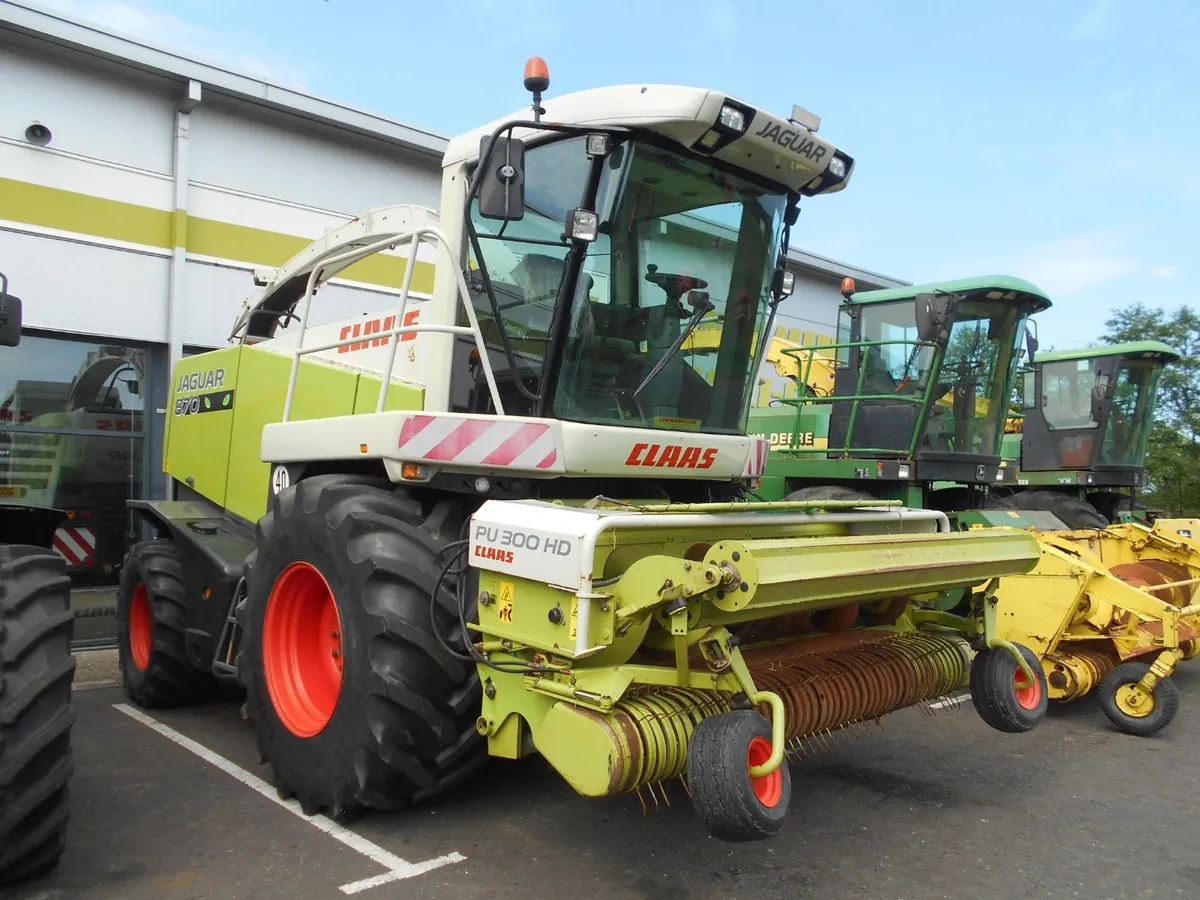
<point>998,696</point>
<point>1139,719</point>
<point>736,807</point>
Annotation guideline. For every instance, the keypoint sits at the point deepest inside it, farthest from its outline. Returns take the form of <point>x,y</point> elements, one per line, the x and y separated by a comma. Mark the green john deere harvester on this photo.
<point>914,407</point>
<point>514,517</point>
<point>1079,442</point>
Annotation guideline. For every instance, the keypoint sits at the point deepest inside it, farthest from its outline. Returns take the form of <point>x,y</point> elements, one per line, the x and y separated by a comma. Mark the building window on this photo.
<point>71,438</point>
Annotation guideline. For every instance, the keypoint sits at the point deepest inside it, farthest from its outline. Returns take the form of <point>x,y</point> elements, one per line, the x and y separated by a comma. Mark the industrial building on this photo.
<point>139,189</point>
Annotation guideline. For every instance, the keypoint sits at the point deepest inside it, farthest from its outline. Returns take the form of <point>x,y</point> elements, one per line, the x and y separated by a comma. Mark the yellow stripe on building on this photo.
<point>98,217</point>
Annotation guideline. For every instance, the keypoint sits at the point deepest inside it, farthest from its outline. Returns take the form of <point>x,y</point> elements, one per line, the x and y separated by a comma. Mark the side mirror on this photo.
<point>502,179</point>
<point>1099,396</point>
<point>933,316</point>
<point>10,316</point>
<point>1031,341</point>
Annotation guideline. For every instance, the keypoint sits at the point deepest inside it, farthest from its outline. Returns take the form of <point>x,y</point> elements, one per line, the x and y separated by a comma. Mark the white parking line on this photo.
<point>952,701</point>
<point>397,869</point>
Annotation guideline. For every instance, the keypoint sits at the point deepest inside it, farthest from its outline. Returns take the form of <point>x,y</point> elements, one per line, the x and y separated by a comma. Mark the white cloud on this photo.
<point>1162,271</point>
<point>1076,264</point>
<point>1066,266</point>
<point>143,20</point>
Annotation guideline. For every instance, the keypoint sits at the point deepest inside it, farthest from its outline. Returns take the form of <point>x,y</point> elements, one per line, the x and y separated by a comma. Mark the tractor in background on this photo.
<point>515,517</point>
<point>47,463</point>
<point>1079,440</point>
<point>1109,610</point>
<point>36,672</point>
<point>910,403</point>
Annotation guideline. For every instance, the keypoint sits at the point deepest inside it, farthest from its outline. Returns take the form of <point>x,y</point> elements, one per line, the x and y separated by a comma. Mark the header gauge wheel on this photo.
<point>1000,694</point>
<point>735,805</point>
<point>1133,711</point>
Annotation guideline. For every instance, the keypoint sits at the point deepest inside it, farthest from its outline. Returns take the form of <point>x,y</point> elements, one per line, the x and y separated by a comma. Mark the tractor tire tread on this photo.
<point>993,694</point>
<point>415,708</point>
<point>170,679</point>
<point>718,778</point>
<point>36,711</point>
<point>1166,700</point>
<point>1075,514</point>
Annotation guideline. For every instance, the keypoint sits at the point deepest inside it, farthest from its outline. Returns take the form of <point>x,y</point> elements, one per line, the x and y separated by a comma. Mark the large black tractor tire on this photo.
<point>36,715</point>
<point>1071,512</point>
<point>151,625</point>
<point>828,492</point>
<point>367,710</point>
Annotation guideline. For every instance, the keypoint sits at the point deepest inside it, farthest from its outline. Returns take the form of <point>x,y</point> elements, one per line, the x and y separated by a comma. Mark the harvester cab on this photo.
<point>510,516</point>
<point>1079,440</point>
<point>919,398</point>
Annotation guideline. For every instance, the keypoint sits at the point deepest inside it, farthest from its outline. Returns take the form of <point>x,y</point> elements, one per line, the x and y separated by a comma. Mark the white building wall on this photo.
<point>287,179</point>
<point>93,109</point>
<point>246,148</point>
<point>79,288</point>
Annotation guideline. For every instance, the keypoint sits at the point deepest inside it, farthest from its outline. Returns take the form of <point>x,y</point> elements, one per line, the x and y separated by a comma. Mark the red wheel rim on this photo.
<point>1027,697</point>
<point>141,627</point>
<point>767,788</point>
<point>302,650</point>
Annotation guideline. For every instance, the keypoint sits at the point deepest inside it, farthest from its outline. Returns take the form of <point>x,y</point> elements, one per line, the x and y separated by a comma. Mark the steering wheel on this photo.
<point>675,285</point>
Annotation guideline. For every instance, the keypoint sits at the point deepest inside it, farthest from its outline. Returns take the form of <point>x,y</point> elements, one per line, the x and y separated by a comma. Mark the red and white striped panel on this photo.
<point>482,442</point>
<point>76,545</point>
<point>756,462</point>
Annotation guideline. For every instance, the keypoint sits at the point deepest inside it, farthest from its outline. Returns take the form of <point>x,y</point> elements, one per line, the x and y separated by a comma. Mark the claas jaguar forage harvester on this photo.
<point>510,516</point>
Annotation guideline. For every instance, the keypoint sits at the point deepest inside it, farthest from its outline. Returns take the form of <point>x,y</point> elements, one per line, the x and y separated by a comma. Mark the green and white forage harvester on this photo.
<point>510,516</point>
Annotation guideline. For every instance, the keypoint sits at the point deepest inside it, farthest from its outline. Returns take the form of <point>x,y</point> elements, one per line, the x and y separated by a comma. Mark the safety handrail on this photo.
<point>414,238</point>
<point>921,400</point>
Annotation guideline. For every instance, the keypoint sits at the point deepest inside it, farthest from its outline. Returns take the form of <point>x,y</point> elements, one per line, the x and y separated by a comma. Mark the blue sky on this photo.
<point>1056,141</point>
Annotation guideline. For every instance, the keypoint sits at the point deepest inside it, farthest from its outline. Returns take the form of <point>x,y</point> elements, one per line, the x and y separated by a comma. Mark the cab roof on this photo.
<point>771,146</point>
<point>1131,348</point>
<point>1002,285</point>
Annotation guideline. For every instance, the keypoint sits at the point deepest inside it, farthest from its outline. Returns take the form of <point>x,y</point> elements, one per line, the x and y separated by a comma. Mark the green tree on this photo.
<point>1173,447</point>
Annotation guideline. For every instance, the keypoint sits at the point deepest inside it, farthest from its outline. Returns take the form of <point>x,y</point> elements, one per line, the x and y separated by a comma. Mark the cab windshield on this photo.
<point>965,387</point>
<point>1134,387</point>
<point>665,315</point>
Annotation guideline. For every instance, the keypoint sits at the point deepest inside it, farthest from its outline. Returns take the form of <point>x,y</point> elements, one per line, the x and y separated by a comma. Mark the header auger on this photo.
<point>509,513</point>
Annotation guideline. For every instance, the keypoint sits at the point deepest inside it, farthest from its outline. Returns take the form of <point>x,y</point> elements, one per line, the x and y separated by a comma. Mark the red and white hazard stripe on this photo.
<point>756,462</point>
<point>76,545</point>
<point>480,442</point>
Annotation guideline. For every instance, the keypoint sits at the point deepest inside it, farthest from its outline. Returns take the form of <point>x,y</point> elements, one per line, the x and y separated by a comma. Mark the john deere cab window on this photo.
<point>1134,387</point>
<point>1067,388</point>
<point>961,388</point>
<point>671,296</point>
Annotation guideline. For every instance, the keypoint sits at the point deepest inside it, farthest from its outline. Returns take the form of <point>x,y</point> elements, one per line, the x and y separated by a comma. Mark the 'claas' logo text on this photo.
<point>375,326</point>
<point>673,456</point>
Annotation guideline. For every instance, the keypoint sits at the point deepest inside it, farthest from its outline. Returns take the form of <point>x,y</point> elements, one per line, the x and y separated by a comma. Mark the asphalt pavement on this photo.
<point>938,806</point>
